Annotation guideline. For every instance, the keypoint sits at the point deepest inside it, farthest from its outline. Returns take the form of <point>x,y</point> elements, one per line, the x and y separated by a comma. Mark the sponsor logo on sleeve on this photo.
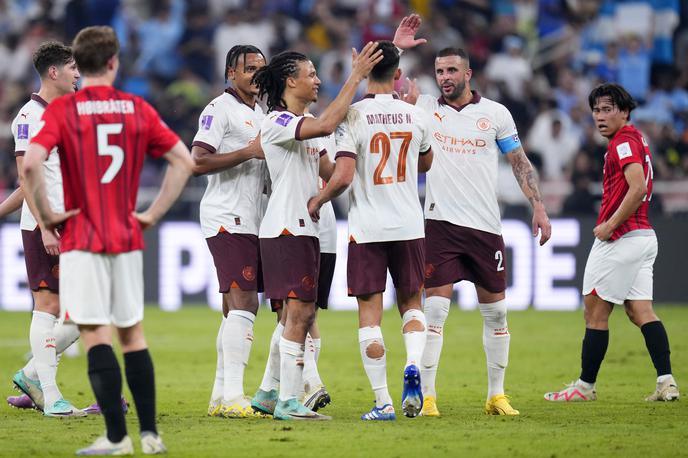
<point>206,122</point>
<point>22,131</point>
<point>284,119</point>
<point>624,150</point>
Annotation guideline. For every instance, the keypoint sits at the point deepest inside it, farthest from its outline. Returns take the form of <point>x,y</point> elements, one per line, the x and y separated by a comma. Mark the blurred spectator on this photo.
<point>158,39</point>
<point>634,67</point>
<point>556,146</point>
<point>510,67</point>
<point>194,45</point>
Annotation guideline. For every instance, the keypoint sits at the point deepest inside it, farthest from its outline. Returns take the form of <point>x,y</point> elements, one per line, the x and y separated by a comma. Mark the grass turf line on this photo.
<point>545,353</point>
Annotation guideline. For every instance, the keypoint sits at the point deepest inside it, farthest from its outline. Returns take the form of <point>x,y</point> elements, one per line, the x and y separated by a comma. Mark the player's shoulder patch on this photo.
<point>283,119</point>
<point>206,121</point>
<point>22,131</point>
<point>623,150</point>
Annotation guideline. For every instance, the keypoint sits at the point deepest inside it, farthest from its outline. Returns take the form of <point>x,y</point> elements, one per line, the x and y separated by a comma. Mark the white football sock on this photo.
<point>42,338</point>
<point>586,385</point>
<point>311,377</point>
<point>496,340</point>
<point>219,384</point>
<point>237,337</point>
<point>664,377</point>
<point>436,310</point>
<point>414,341</point>
<point>65,335</point>
<point>318,345</point>
<point>375,368</point>
<point>291,369</point>
<point>271,377</point>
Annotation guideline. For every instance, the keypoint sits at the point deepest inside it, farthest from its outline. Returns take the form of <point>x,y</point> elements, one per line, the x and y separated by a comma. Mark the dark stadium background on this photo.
<point>539,58</point>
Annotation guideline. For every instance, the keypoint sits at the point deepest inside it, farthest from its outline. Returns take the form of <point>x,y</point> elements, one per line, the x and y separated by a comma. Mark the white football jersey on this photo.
<point>24,126</point>
<point>386,137</point>
<point>461,186</point>
<point>294,168</point>
<point>233,198</point>
<point>328,220</point>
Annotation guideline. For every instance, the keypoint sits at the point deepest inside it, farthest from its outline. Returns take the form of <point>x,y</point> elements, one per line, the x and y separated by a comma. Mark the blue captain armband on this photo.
<point>508,144</point>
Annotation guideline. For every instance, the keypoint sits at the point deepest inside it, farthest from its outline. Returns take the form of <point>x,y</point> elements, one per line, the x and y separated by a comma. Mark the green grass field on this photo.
<point>545,353</point>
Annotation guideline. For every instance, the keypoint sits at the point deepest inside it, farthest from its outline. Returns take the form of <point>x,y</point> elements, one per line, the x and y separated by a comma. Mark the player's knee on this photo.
<point>375,350</point>
<point>413,320</point>
<point>494,313</point>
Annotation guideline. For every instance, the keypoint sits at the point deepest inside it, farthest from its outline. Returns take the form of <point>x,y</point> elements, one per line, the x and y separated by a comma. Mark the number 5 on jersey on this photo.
<point>106,149</point>
<point>381,143</point>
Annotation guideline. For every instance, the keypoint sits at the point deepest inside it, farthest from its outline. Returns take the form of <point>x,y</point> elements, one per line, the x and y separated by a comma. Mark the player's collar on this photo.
<point>231,91</point>
<point>475,99</point>
<point>39,99</point>
<point>381,96</point>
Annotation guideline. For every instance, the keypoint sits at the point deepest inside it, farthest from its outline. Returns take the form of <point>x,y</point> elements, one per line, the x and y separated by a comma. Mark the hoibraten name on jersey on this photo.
<point>91,107</point>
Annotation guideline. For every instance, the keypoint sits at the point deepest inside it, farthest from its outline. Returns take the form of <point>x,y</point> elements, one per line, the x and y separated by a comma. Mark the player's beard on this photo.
<point>457,92</point>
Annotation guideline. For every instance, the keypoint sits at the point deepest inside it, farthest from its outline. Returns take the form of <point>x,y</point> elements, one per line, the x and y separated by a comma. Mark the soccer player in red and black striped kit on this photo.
<point>103,136</point>
<point>619,268</point>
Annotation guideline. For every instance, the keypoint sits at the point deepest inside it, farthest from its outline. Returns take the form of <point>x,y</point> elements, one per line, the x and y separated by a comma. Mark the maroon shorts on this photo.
<point>366,271</point>
<point>455,253</point>
<point>42,269</point>
<point>327,263</point>
<point>237,261</point>
<point>290,267</point>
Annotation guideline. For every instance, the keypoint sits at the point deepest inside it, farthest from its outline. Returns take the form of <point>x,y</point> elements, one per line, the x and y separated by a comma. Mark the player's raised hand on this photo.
<point>542,225</point>
<point>363,63</point>
<point>405,35</point>
<point>314,208</point>
<point>409,93</point>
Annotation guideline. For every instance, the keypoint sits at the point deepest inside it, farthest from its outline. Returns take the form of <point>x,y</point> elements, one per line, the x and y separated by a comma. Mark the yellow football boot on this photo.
<point>430,407</point>
<point>499,405</point>
<point>214,408</point>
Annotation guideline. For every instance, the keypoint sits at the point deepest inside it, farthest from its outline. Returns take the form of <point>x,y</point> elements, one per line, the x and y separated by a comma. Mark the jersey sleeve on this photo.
<point>628,150</point>
<point>507,135</point>
<point>48,132</point>
<point>280,128</point>
<point>161,139</point>
<point>424,125</point>
<point>345,136</point>
<point>213,124</point>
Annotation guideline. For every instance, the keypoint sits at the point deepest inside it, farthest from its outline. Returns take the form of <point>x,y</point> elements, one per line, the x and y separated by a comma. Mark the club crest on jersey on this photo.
<point>284,119</point>
<point>624,150</point>
<point>483,124</point>
<point>206,122</point>
<point>22,131</point>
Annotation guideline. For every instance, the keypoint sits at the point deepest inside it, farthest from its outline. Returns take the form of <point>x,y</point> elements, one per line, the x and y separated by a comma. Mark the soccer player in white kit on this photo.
<point>384,143</point>
<point>289,244</point>
<point>463,226</point>
<point>58,72</point>
<point>227,150</point>
<point>619,268</point>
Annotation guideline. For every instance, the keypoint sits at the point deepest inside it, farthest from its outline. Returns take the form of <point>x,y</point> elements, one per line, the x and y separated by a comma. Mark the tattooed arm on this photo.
<point>527,180</point>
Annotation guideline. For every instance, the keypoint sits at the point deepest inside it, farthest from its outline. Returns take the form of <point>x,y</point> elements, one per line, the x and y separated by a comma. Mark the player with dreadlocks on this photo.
<point>289,245</point>
<point>225,148</point>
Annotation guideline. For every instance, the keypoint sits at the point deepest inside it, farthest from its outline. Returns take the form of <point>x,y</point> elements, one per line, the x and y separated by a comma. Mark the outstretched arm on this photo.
<point>527,180</point>
<point>12,203</point>
<point>207,162</point>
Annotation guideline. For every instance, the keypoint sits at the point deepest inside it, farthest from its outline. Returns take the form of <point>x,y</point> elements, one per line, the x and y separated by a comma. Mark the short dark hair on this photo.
<point>93,47</point>
<point>271,79</point>
<point>51,54</point>
<point>454,52</point>
<point>620,97</point>
<point>384,70</point>
<point>238,51</point>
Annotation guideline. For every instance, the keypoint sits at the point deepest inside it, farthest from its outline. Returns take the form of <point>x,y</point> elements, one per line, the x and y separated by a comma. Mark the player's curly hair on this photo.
<point>271,79</point>
<point>51,54</point>
<point>238,51</point>
<point>620,97</point>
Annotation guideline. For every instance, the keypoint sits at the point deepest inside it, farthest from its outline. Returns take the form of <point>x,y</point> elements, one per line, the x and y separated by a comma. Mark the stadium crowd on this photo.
<point>540,58</point>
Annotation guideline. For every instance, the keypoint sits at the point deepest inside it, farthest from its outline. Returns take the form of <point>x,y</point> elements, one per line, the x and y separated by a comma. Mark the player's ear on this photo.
<point>397,74</point>
<point>231,72</point>
<point>52,72</point>
<point>291,82</point>
<point>469,74</point>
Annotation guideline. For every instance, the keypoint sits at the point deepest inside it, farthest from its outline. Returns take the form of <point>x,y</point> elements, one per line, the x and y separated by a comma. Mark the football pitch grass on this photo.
<point>545,353</point>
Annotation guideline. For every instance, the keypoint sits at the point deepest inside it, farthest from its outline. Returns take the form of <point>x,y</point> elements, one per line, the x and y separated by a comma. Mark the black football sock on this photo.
<point>595,345</point>
<point>106,381</point>
<point>141,379</point>
<point>657,343</point>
